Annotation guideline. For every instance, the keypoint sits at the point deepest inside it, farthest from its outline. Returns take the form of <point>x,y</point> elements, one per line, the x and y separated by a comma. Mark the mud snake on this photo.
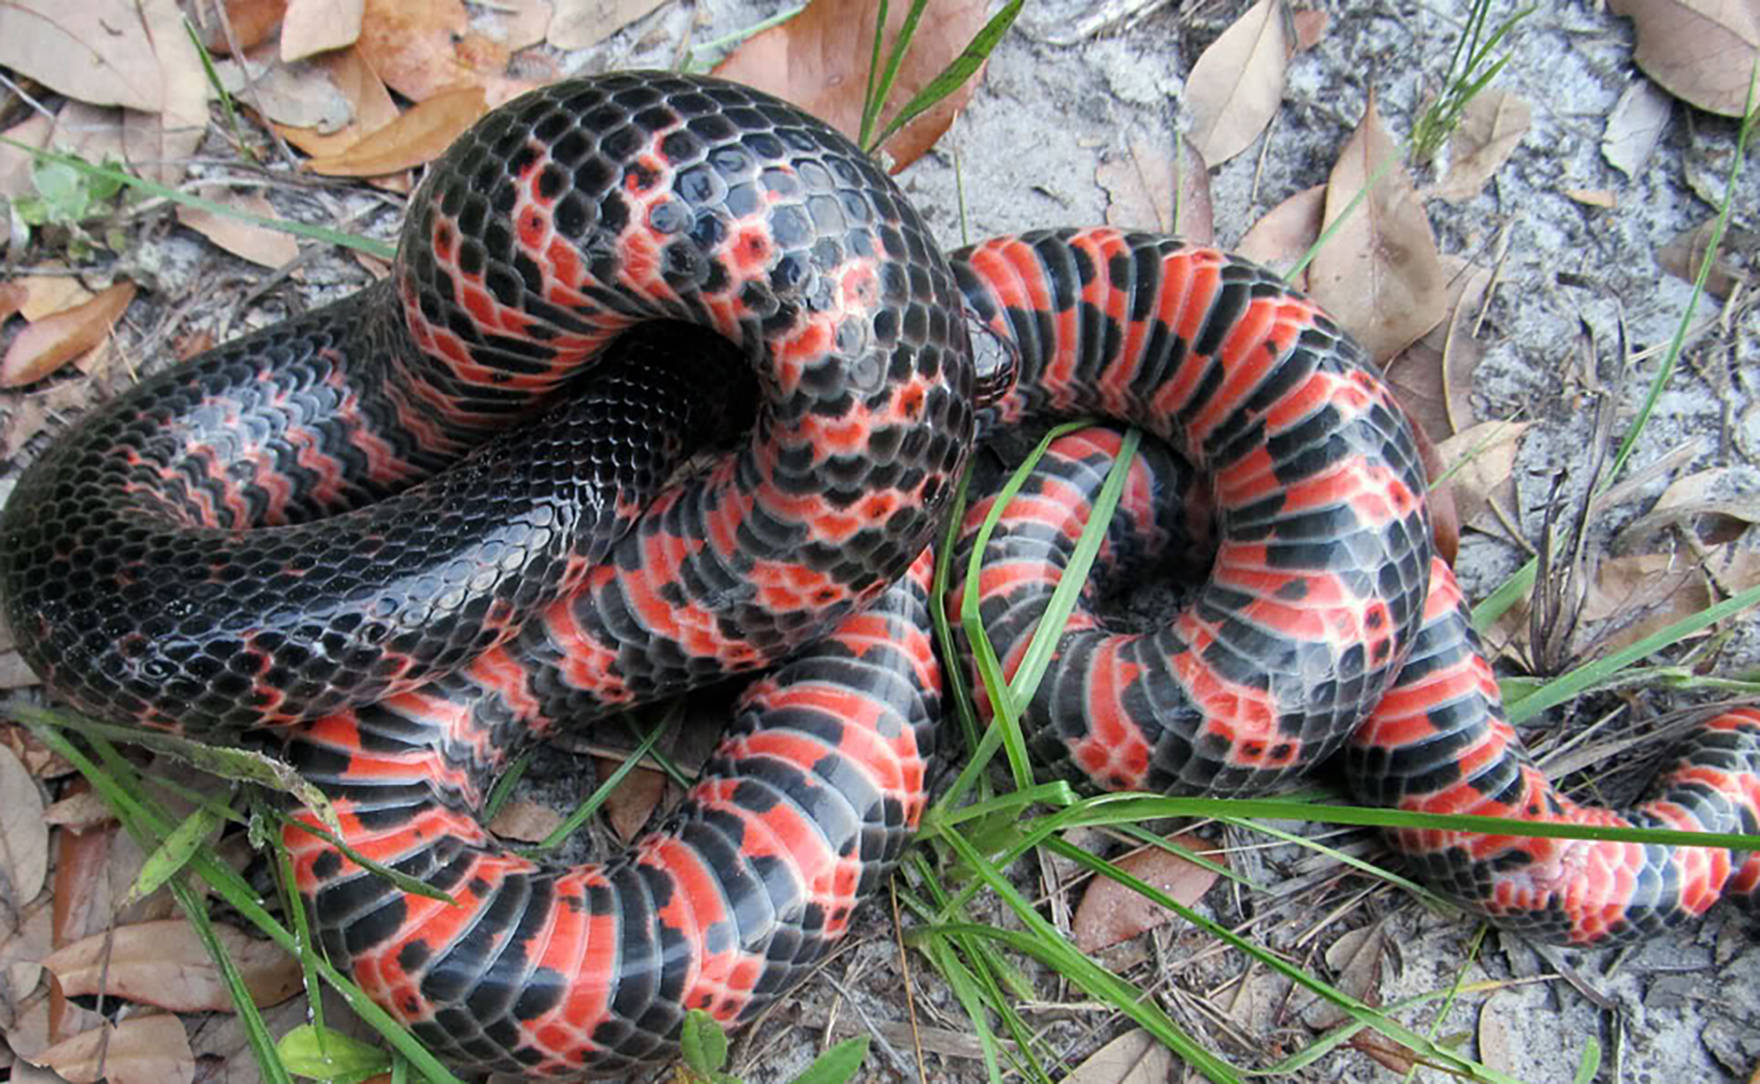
<point>570,570</point>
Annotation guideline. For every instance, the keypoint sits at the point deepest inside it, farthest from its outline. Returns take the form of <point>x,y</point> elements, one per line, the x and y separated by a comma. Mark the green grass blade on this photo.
<point>1602,670</point>
<point>955,74</point>
<point>282,225</point>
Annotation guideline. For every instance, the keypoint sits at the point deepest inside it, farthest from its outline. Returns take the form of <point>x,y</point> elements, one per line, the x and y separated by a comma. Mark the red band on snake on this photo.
<point>187,557</point>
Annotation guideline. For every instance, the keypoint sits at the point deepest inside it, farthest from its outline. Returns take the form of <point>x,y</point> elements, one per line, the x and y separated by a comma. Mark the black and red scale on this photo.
<point>264,540</point>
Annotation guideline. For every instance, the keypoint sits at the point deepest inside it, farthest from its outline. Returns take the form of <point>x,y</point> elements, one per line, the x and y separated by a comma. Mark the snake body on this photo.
<point>259,537</point>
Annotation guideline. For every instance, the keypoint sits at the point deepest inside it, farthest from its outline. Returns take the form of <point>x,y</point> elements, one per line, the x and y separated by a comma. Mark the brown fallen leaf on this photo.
<point>1110,912</point>
<point>815,60</point>
<point>525,820</point>
<point>47,294</point>
<point>1682,256</point>
<point>1394,1057</point>
<point>1136,1057</point>
<point>15,162</point>
<point>47,344</point>
<point>1234,88</point>
<point>317,26</point>
<point>1355,957</point>
<point>24,838</point>
<point>1635,127</point>
<point>1433,377</point>
<point>139,1050</point>
<point>1491,128</point>
<point>253,22</point>
<point>519,24</point>
<point>258,244</point>
<point>1310,27</point>
<point>417,137</point>
<point>300,96</point>
<point>1147,190</point>
<point>368,104</point>
<point>577,24</point>
<point>24,941</point>
<point>1701,51</point>
<point>158,144</point>
<point>164,964</point>
<point>1379,273</point>
<point>1714,505</point>
<point>1285,233</point>
<point>1638,595</point>
<point>38,759</point>
<point>80,811</point>
<point>422,49</point>
<point>632,804</point>
<point>96,51</point>
<point>1480,460</point>
<point>12,298</point>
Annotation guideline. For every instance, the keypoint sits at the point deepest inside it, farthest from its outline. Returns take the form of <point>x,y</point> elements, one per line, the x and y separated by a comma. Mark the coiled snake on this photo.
<point>184,557</point>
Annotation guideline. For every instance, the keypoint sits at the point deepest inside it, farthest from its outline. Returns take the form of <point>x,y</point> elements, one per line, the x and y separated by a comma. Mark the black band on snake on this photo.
<point>270,535</point>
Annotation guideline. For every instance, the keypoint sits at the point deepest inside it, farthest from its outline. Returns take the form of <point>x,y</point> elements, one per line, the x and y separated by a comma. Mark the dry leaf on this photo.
<point>1635,126</point>
<point>253,22</point>
<point>258,244</point>
<point>577,24</point>
<point>417,137</point>
<point>317,26</point>
<point>1355,957</point>
<point>24,838</point>
<point>1394,1057</point>
<point>1379,273</point>
<point>47,294</point>
<point>158,144</point>
<point>1236,85</point>
<point>164,964</point>
<point>1480,460</point>
<point>91,131</point>
<point>817,58</point>
<point>95,50</point>
<point>1491,129</point>
<point>1701,51</point>
<point>421,49</point>
<point>301,96</point>
<point>1310,27</point>
<point>1648,592</point>
<point>1593,197</point>
<point>139,1050</point>
<point>1682,256</point>
<point>1433,378</point>
<point>1141,185</point>
<point>15,162</point>
<point>1110,912</point>
<point>21,952</point>
<point>629,807</point>
<point>12,297</point>
<point>80,811</point>
<point>1136,1057</point>
<point>1715,505</point>
<point>519,24</point>
<point>1285,233</point>
<point>37,758</point>
<point>47,344</point>
<point>367,106</point>
<point>525,820</point>
<point>1494,1037</point>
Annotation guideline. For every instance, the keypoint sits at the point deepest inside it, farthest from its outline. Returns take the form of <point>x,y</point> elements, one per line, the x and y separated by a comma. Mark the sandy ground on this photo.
<point>1060,99</point>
